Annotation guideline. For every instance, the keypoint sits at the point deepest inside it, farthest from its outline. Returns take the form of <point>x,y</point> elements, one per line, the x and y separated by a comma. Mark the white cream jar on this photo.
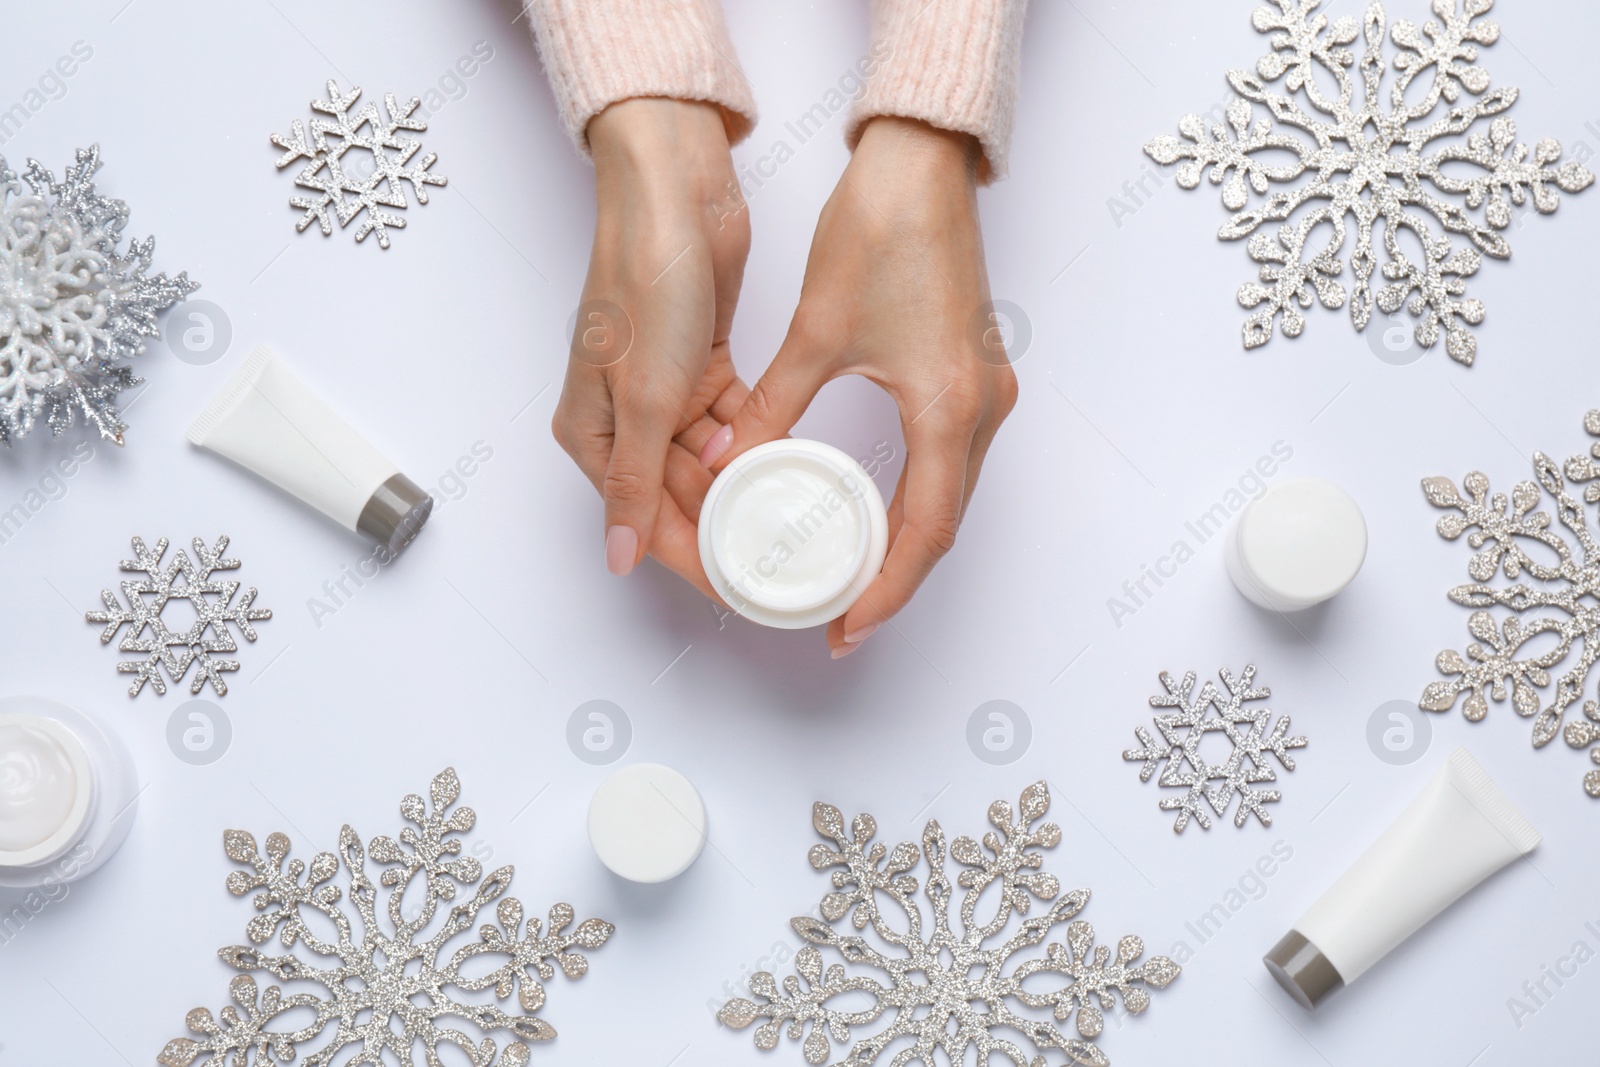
<point>792,532</point>
<point>1298,544</point>
<point>67,789</point>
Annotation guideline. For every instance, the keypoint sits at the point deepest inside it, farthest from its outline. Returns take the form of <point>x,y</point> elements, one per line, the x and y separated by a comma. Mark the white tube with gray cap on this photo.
<point>1459,830</point>
<point>266,420</point>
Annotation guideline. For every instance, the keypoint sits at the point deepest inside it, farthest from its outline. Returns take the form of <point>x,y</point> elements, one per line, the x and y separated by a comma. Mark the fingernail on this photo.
<point>861,633</point>
<point>844,650</point>
<point>622,547</point>
<point>716,446</point>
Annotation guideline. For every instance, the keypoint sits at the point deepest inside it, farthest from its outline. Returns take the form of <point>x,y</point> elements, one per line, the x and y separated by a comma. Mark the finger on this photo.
<point>722,410</point>
<point>632,486</point>
<point>778,399</point>
<point>687,482</point>
<point>583,424</point>
<point>935,482</point>
<point>676,547</point>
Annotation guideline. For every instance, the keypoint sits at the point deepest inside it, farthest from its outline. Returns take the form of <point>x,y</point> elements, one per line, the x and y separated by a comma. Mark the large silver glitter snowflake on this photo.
<point>396,983</point>
<point>1206,782</point>
<point>1361,165</point>
<point>358,162</point>
<point>213,608</point>
<point>1557,610</point>
<point>74,305</point>
<point>944,990</point>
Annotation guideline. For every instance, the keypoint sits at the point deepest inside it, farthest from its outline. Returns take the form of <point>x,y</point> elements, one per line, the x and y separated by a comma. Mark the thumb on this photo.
<point>776,402</point>
<point>632,486</point>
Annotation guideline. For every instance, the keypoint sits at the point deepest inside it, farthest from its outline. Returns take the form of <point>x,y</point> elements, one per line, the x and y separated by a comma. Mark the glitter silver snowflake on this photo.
<point>1206,782</point>
<point>358,162</point>
<point>1563,601</point>
<point>1367,165</point>
<point>936,979</point>
<point>74,305</point>
<point>211,600</point>
<point>396,983</point>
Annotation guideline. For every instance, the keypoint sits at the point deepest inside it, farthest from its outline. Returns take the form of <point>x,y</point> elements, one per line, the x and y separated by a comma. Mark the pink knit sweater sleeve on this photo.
<point>950,63</point>
<point>597,52</point>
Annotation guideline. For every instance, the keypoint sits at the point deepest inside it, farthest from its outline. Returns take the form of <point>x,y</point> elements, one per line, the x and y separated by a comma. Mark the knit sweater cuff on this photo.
<point>597,52</point>
<point>950,63</point>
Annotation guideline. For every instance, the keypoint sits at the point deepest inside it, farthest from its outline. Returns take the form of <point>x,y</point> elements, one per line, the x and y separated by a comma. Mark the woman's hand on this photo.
<point>896,290</point>
<point>649,378</point>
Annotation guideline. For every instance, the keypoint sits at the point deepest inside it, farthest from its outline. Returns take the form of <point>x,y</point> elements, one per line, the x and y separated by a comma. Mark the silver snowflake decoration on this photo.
<point>75,306</point>
<point>1562,600</point>
<point>1232,714</point>
<point>358,162</point>
<point>396,983</point>
<point>934,978</point>
<point>1357,166</point>
<point>148,598</point>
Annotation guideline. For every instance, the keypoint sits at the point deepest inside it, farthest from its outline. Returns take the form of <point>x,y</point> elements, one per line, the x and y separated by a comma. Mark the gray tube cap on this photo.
<point>395,512</point>
<point>1303,971</point>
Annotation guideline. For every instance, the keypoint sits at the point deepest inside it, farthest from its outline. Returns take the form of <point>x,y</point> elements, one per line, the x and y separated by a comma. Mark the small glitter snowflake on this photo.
<point>148,598</point>
<point>1563,604</point>
<point>1210,711</point>
<point>1366,166</point>
<point>358,171</point>
<point>393,985</point>
<point>74,306</point>
<point>936,980</point>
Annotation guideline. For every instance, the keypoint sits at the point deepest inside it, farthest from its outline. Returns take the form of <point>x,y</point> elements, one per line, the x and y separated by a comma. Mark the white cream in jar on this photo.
<point>792,532</point>
<point>66,793</point>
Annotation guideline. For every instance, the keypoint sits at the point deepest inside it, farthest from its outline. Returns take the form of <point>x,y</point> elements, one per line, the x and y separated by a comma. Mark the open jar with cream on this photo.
<point>67,790</point>
<point>792,532</point>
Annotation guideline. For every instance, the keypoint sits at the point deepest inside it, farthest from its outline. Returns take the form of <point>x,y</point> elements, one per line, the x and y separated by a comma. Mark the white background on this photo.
<point>1139,410</point>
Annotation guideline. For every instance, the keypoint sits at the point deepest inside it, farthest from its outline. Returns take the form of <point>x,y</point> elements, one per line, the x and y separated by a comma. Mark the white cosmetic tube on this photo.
<point>1459,830</point>
<point>267,421</point>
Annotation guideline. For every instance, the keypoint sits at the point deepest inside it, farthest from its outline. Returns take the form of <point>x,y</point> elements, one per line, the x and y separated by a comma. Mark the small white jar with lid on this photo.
<point>1297,545</point>
<point>67,790</point>
<point>792,532</point>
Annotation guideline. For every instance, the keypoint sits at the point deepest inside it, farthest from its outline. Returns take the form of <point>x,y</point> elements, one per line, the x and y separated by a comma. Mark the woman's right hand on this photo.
<point>649,376</point>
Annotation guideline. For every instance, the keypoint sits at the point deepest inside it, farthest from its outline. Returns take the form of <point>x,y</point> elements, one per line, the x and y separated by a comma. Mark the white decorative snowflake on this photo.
<point>1366,165</point>
<point>211,599</point>
<point>936,979</point>
<point>393,985</point>
<point>358,171</point>
<point>1565,603</point>
<point>1184,731</point>
<point>74,307</point>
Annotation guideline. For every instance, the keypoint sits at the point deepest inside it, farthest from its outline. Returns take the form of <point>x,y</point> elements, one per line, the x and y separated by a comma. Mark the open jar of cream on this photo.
<point>67,789</point>
<point>792,532</point>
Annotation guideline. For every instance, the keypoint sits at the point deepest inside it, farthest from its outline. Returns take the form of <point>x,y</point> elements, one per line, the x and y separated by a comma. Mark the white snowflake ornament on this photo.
<point>75,306</point>
<point>1361,165</point>
<point>1554,598</point>
<point>1207,782</point>
<point>399,981</point>
<point>147,599</point>
<point>358,162</point>
<point>935,976</point>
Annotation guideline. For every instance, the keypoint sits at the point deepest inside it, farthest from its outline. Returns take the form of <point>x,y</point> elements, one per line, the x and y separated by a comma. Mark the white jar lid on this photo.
<point>647,823</point>
<point>1297,545</point>
<point>792,532</point>
<point>46,789</point>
